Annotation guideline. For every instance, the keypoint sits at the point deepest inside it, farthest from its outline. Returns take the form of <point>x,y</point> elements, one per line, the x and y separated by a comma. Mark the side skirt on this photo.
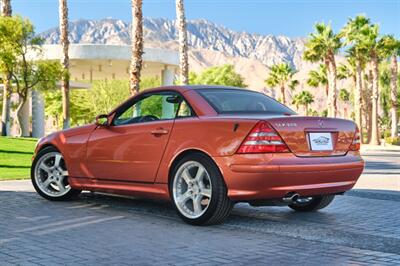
<point>131,188</point>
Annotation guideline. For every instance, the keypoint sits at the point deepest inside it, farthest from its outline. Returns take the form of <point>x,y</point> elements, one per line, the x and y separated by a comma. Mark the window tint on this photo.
<point>242,101</point>
<point>154,107</point>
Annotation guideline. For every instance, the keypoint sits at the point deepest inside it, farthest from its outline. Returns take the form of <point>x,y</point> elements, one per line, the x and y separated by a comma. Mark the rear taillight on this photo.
<point>263,139</point>
<point>355,145</point>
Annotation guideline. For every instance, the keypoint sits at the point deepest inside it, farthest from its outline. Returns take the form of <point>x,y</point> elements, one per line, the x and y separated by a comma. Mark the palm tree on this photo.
<point>322,46</point>
<point>63,14</point>
<point>391,48</point>
<point>5,115</point>
<point>352,34</point>
<point>348,70</point>
<point>372,45</point>
<point>137,46</point>
<point>281,75</point>
<point>304,98</point>
<point>344,96</point>
<point>318,78</point>
<point>183,46</point>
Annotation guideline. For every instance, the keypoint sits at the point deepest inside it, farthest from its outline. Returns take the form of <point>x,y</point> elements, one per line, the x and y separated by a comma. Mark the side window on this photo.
<point>154,107</point>
<point>184,110</point>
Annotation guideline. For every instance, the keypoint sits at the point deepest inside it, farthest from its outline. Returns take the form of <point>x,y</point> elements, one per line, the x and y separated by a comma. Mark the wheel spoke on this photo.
<point>206,192</point>
<point>199,174</point>
<point>61,186</point>
<point>44,167</point>
<point>47,182</point>
<point>184,197</point>
<point>186,176</point>
<point>57,160</point>
<point>197,204</point>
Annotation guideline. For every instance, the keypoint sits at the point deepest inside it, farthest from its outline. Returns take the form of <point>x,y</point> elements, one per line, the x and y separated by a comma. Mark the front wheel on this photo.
<point>198,191</point>
<point>49,176</point>
<point>311,204</point>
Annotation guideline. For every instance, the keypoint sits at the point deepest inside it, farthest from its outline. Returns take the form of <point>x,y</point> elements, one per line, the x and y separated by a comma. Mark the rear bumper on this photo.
<point>271,176</point>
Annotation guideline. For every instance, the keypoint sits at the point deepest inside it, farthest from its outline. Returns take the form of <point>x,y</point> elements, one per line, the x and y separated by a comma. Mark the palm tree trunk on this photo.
<point>21,116</point>
<point>137,46</point>
<point>6,8</point>
<point>327,89</point>
<point>332,97</point>
<point>63,13</point>
<point>393,96</point>
<point>183,46</point>
<point>367,106</point>
<point>358,97</point>
<point>283,96</point>
<point>306,106</point>
<point>375,140</point>
<point>5,115</point>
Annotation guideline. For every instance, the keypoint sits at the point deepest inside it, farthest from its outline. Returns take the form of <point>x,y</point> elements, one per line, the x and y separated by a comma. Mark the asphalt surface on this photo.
<point>361,227</point>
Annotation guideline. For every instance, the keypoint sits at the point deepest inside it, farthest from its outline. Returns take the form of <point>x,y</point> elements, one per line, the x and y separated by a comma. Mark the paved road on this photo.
<point>382,171</point>
<point>360,228</point>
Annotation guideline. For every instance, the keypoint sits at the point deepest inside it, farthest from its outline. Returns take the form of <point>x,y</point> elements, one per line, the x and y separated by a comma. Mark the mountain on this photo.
<point>202,34</point>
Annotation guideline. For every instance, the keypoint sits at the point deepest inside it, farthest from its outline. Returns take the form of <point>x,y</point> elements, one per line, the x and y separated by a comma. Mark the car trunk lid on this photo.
<point>315,136</point>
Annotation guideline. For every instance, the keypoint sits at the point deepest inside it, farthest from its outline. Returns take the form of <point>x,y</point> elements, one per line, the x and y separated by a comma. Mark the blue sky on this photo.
<point>293,18</point>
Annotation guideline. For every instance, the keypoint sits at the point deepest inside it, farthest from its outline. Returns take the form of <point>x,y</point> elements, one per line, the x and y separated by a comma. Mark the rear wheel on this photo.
<point>198,191</point>
<point>49,176</point>
<point>311,204</point>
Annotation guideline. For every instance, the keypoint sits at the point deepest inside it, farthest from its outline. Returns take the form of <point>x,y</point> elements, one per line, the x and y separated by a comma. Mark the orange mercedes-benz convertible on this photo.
<point>205,148</point>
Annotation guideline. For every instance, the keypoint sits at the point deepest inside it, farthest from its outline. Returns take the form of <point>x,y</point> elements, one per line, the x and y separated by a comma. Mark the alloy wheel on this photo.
<point>51,175</point>
<point>192,189</point>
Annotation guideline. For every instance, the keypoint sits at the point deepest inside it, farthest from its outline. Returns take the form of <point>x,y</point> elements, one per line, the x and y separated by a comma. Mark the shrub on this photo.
<point>101,98</point>
<point>219,75</point>
<point>393,141</point>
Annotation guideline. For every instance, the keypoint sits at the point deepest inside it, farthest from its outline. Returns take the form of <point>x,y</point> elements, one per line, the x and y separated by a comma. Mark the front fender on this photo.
<point>72,145</point>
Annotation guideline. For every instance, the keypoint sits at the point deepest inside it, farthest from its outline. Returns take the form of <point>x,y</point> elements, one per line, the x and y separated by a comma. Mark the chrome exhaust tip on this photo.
<point>290,197</point>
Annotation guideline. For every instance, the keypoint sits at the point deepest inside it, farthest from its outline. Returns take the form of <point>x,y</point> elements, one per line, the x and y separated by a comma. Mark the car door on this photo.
<point>131,148</point>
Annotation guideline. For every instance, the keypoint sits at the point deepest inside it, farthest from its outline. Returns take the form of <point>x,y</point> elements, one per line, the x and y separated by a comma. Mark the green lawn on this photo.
<point>15,157</point>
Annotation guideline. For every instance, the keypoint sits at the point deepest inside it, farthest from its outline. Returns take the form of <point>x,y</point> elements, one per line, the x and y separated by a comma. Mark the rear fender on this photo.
<point>214,137</point>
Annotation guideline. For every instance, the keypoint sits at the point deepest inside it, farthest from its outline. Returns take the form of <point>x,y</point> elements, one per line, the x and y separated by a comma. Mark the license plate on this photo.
<point>321,141</point>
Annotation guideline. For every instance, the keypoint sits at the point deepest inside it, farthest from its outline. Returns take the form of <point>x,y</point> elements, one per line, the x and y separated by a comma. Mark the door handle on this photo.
<point>159,131</point>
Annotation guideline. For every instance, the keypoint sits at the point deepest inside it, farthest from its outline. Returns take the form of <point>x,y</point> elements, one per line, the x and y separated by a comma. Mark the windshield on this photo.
<point>236,101</point>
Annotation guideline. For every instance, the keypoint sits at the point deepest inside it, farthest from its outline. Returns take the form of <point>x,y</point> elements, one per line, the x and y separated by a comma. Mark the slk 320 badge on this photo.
<point>286,124</point>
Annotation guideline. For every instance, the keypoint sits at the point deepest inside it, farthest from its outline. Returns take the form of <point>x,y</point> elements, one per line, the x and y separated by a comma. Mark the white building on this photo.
<point>90,62</point>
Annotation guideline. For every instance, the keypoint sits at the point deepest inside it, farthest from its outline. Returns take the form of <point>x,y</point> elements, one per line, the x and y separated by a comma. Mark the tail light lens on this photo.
<point>355,145</point>
<point>263,139</point>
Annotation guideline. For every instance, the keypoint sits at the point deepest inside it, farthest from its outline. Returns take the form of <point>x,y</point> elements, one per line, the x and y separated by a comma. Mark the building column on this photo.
<point>38,118</point>
<point>167,76</point>
<point>167,79</point>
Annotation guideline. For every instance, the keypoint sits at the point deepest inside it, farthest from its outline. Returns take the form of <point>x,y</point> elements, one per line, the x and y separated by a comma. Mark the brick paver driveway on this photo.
<point>360,228</point>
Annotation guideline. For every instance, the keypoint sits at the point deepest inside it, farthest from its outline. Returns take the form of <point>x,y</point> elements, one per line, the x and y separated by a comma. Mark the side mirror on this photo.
<point>102,120</point>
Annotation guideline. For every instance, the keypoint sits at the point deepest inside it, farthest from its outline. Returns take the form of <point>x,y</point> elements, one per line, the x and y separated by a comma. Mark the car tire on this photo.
<point>49,176</point>
<point>315,204</point>
<point>209,189</point>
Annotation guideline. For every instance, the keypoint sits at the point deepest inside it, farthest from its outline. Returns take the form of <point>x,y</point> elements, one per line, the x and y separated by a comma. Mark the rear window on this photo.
<point>235,101</point>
